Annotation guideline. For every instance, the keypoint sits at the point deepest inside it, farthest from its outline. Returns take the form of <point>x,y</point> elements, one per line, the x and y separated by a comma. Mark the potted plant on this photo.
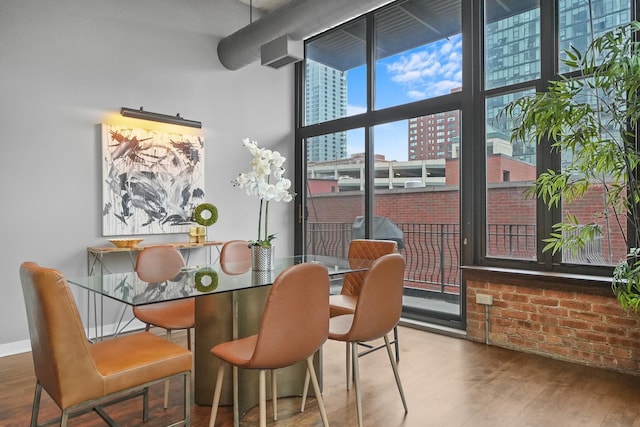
<point>266,181</point>
<point>591,115</point>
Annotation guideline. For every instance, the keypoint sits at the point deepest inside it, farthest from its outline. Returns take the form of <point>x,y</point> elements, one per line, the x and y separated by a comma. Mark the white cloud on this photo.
<point>416,94</point>
<point>430,71</point>
<point>352,110</point>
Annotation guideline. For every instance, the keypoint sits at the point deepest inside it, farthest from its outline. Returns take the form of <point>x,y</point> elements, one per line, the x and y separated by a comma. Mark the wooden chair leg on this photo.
<point>274,395</point>
<point>216,396</point>
<point>263,398</point>
<point>316,388</point>
<point>305,389</point>
<point>395,373</point>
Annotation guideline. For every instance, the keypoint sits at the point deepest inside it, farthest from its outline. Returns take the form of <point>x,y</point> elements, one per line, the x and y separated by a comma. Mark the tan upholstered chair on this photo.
<point>294,326</point>
<point>345,302</point>
<point>235,257</point>
<point>80,376</point>
<point>376,313</point>
<point>157,264</point>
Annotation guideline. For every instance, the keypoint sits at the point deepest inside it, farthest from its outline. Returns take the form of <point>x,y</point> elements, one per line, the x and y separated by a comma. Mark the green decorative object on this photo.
<point>205,220</point>
<point>211,274</point>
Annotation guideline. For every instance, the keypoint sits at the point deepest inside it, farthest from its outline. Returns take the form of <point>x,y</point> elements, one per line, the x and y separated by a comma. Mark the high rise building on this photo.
<point>435,136</point>
<point>326,99</point>
<point>512,55</point>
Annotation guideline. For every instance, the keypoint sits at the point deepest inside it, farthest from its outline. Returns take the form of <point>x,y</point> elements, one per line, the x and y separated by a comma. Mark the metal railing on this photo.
<point>431,252</point>
<point>511,241</point>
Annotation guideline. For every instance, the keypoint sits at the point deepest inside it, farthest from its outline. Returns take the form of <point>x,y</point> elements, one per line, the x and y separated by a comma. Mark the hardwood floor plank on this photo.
<point>448,382</point>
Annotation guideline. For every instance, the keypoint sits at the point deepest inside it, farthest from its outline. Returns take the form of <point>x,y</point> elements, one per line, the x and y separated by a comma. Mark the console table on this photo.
<point>96,257</point>
<point>96,254</point>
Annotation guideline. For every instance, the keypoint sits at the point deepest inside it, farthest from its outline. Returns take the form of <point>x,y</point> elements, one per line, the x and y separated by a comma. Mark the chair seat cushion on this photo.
<point>339,327</point>
<point>342,304</point>
<point>132,360</point>
<point>237,352</point>
<point>168,315</point>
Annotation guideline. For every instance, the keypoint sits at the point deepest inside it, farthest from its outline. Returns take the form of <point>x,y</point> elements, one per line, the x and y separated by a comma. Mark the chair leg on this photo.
<point>216,396</point>
<point>189,339</point>
<point>166,394</point>
<point>236,407</point>
<point>263,398</point>
<point>349,364</point>
<point>305,390</point>
<point>36,404</point>
<point>395,373</point>
<point>166,383</point>
<point>396,343</point>
<point>316,388</point>
<point>356,380</point>
<point>274,395</point>
<point>145,405</point>
<point>187,399</point>
<point>64,419</point>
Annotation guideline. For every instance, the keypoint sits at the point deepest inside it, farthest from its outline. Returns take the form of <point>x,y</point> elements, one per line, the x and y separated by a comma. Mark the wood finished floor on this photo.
<point>447,382</point>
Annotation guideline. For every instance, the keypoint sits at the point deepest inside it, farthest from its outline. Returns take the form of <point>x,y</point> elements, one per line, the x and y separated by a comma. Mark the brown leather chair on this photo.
<point>345,302</point>
<point>157,264</point>
<point>80,376</point>
<point>376,313</point>
<point>294,326</point>
<point>235,257</point>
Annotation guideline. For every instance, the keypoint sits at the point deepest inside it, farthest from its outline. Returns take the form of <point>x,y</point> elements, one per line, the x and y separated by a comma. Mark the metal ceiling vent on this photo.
<point>281,51</point>
<point>280,34</point>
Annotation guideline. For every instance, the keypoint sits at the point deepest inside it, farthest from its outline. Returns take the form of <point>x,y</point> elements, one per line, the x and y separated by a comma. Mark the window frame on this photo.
<point>471,98</point>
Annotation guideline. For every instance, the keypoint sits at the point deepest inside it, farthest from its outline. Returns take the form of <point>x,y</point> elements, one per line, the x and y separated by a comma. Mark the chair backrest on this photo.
<point>59,346</point>
<point>364,249</point>
<point>379,304</point>
<point>159,263</point>
<point>235,257</point>
<point>295,322</point>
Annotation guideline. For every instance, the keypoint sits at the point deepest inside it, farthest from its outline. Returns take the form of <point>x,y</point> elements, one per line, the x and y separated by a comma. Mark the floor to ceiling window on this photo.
<point>381,139</point>
<point>394,143</point>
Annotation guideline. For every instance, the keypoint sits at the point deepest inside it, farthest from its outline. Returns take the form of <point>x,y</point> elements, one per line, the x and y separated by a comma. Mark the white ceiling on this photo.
<point>266,5</point>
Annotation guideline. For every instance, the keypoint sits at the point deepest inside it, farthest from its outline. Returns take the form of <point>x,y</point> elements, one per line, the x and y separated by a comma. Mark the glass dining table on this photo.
<point>229,300</point>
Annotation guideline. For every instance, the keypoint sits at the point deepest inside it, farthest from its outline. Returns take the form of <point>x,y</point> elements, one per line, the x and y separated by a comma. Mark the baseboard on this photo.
<point>430,327</point>
<point>24,346</point>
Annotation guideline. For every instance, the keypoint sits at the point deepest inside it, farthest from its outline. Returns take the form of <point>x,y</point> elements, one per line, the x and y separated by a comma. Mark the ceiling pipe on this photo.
<point>300,19</point>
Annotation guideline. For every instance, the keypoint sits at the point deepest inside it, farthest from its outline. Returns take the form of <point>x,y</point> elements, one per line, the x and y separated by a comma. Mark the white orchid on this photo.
<point>266,165</point>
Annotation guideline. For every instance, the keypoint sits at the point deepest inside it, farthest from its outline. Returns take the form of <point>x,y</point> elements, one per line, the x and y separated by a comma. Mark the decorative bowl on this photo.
<point>126,243</point>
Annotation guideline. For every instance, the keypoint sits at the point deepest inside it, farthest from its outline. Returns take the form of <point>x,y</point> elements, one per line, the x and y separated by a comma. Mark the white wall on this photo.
<point>65,66</point>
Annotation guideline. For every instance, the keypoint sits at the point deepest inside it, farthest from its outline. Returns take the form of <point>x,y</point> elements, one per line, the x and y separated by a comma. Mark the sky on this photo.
<point>421,73</point>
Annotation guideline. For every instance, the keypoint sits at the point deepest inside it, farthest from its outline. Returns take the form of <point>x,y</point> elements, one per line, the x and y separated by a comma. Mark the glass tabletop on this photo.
<point>193,281</point>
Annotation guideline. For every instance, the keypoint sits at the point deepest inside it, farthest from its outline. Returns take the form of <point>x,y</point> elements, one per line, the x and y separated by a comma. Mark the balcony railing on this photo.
<point>431,252</point>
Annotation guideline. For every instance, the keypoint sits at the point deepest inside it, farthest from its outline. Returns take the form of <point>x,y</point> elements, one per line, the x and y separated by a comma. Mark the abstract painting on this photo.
<point>152,180</point>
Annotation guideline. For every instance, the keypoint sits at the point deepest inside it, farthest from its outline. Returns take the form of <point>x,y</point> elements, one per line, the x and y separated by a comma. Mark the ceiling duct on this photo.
<point>299,19</point>
<point>281,51</point>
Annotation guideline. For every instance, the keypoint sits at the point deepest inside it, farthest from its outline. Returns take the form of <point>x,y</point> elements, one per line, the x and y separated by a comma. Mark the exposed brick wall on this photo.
<point>588,329</point>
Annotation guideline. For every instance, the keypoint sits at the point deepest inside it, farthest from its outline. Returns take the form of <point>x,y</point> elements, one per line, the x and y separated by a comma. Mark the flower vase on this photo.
<point>262,259</point>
